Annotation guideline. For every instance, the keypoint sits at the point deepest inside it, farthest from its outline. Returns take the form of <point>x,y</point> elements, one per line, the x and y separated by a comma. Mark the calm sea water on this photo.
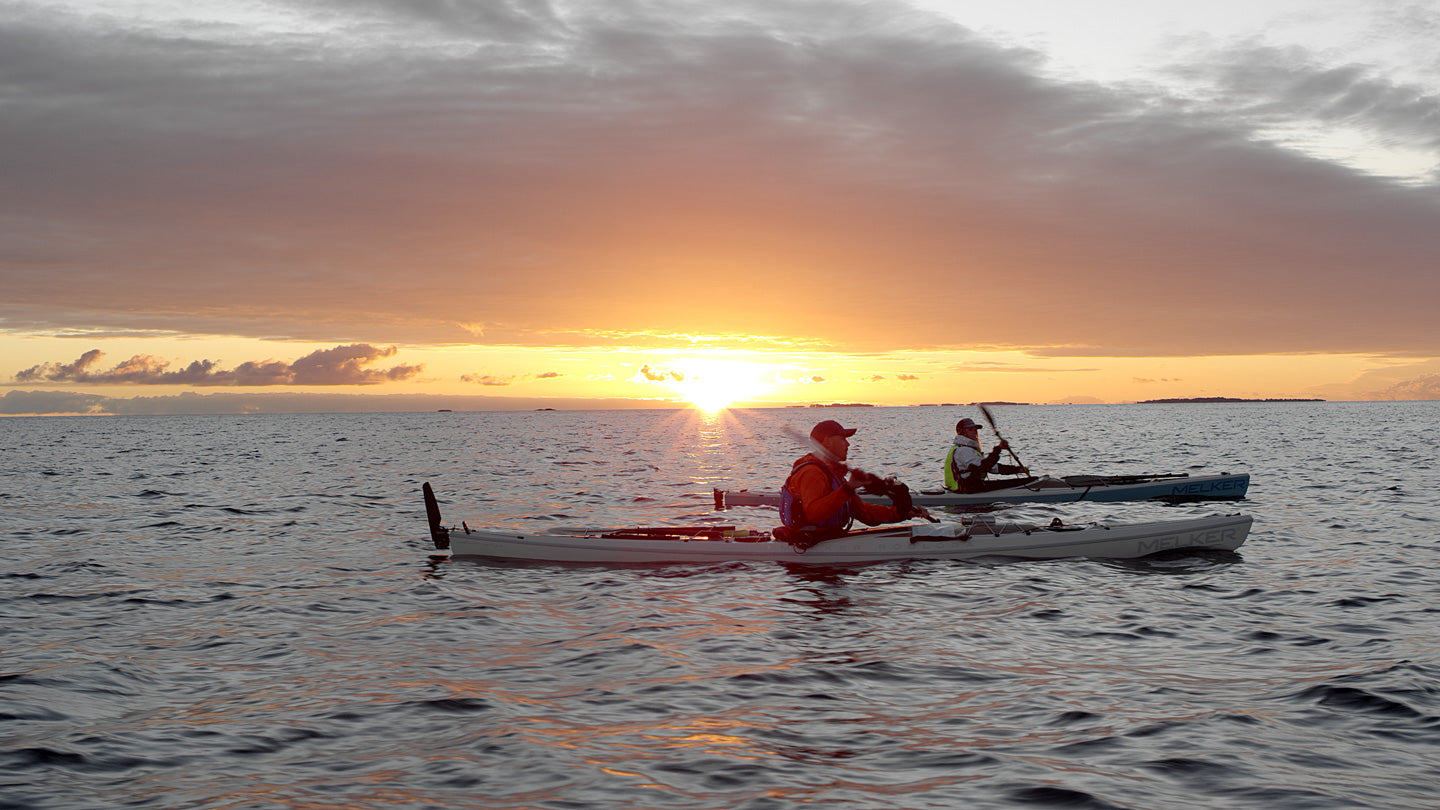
<point>245,612</point>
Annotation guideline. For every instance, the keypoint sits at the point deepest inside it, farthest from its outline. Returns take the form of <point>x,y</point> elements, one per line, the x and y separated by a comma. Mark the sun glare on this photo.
<point>712,385</point>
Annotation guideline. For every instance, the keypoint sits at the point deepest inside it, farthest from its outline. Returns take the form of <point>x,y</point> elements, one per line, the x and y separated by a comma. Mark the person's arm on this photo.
<point>873,514</point>
<point>977,473</point>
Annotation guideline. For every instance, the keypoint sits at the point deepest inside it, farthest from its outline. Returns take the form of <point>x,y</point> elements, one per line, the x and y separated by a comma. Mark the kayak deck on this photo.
<point>1178,488</point>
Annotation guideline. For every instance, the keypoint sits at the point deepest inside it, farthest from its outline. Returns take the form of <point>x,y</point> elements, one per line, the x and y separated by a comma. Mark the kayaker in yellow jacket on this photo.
<point>966,466</point>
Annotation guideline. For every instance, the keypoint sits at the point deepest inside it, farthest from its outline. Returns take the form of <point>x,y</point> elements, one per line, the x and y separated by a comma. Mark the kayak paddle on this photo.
<point>990,419</point>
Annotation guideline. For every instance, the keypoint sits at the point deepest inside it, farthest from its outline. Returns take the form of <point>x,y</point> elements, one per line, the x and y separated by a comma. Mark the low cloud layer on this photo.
<point>1427,387</point>
<point>342,365</point>
<point>24,403</point>
<point>507,379</point>
<point>653,374</point>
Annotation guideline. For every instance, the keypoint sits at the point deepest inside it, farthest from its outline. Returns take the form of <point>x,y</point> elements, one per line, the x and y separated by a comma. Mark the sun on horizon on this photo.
<point>713,385</point>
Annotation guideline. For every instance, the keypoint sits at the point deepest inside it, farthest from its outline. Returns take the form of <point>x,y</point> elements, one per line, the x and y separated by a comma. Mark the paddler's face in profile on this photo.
<point>839,446</point>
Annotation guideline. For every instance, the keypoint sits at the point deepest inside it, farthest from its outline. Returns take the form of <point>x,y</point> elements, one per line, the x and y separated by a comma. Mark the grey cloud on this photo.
<point>1420,388</point>
<point>342,365</point>
<point>345,365</point>
<point>60,371</point>
<point>487,379</point>
<point>1287,86</point>
<point>42,402</point>
<point>653,374</point>
<point>22,403</point>
<point>991,367</point>
<point>495,380</point>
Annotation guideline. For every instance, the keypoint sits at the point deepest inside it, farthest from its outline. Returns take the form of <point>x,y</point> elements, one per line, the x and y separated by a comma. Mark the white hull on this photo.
<point>974,537</point>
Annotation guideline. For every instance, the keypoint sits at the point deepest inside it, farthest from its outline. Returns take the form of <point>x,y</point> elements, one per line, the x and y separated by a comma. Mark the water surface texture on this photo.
<point>246,612</point>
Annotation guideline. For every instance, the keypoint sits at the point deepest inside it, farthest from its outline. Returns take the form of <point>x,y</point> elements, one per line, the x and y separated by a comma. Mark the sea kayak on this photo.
<point>1051,489</point>
<point>972,537</point>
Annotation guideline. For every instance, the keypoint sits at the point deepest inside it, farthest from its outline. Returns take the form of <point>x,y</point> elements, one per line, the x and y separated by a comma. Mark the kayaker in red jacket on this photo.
<point>819,500</point>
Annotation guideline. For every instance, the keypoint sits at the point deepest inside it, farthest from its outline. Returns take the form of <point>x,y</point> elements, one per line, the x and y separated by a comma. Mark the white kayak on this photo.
<point>1051,489</point>
<point>974,536</point>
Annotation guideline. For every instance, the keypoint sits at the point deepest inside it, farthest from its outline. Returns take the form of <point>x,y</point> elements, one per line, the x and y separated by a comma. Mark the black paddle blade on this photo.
<point>439,535</point>
<point>900,497</point>
<point>989,418</point>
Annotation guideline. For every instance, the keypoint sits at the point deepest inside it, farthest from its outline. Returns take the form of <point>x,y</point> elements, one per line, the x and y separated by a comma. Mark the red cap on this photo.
<point>829,428</point>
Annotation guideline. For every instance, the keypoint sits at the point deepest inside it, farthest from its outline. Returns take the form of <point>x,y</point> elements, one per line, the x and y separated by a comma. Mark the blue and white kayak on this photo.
<point>1051,489</point>
<point>974,536</point>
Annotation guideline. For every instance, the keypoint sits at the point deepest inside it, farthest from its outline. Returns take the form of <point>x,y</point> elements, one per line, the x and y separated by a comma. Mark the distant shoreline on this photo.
<point>70,403</point>
<point>1217,399</point>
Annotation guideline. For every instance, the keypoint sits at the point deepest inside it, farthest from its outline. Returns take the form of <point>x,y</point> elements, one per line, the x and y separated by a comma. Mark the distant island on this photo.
<point>968,404</point>
<point>1217,399</point>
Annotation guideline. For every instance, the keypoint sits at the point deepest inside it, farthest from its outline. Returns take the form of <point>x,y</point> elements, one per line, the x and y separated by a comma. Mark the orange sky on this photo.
<point>891,202</point>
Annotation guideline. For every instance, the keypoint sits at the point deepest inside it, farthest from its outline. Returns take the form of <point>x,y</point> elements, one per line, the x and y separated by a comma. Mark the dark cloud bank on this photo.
<point>342,365</point>
<point>849,172</point>
<point>47,403</point>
